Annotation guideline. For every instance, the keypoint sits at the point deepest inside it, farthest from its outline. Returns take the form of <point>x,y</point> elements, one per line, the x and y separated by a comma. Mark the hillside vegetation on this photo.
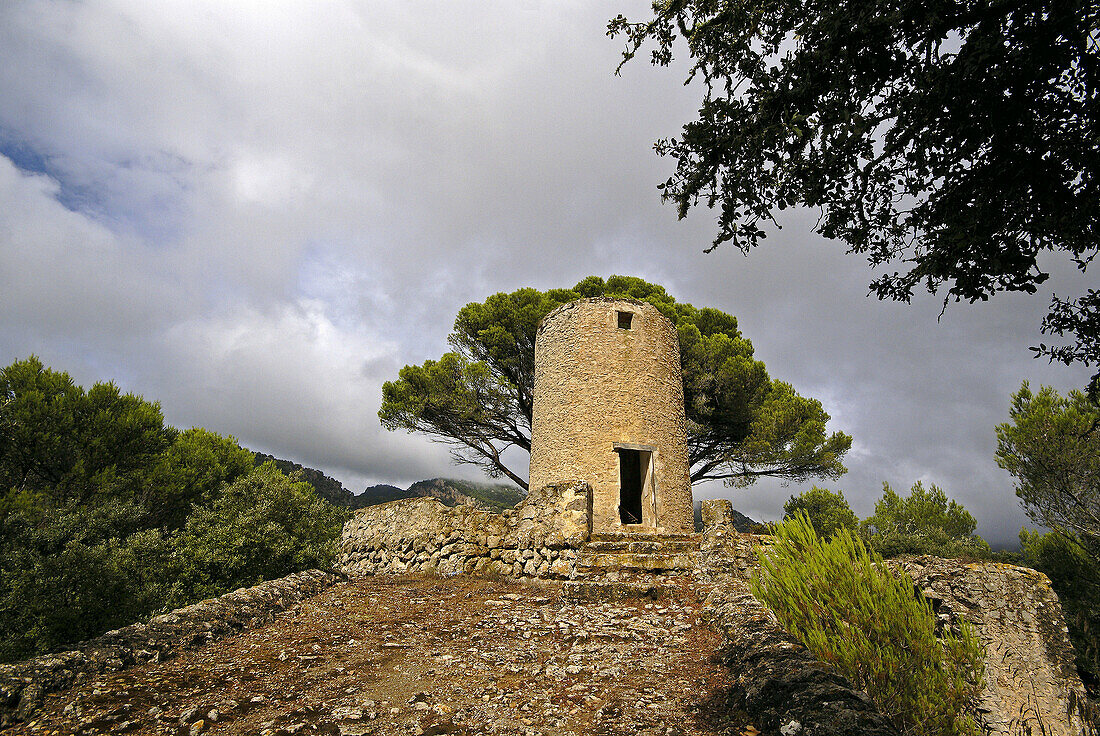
<point>324,486</point>
<point>108,515</point>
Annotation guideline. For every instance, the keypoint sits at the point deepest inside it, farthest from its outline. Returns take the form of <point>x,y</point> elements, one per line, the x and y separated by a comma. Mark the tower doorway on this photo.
<point>633,474</point>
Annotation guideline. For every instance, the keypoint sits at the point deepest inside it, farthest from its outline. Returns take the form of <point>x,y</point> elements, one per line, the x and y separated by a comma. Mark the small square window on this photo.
<point>624,320</point>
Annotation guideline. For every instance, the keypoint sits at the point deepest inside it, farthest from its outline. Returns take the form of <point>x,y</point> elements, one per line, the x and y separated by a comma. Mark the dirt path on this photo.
<point>413,655</point>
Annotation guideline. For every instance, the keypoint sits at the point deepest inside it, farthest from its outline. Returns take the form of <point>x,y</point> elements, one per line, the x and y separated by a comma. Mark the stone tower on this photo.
<point>609,410</point>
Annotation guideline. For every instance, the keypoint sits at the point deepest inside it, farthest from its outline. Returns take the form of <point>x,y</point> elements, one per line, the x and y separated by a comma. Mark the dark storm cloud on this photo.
<point>286,203</point>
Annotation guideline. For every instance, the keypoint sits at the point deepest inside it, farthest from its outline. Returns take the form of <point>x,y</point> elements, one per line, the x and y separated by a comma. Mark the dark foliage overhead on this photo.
<point>957,141</point>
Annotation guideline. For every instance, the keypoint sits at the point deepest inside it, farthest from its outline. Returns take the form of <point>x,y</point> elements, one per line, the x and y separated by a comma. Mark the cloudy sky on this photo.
<point>256,212</point>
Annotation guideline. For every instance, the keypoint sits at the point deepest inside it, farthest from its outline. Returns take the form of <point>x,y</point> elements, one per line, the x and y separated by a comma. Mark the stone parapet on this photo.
<point>538,538</point>
<point>1032,685</point>
<point>23,684</point>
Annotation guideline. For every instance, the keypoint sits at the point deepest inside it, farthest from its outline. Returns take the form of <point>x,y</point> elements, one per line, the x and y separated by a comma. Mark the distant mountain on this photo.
<point>327,488</point>
<point>450,491</point>
<point>743,523</point>
<point>489,496</point>
<point>374,495</point>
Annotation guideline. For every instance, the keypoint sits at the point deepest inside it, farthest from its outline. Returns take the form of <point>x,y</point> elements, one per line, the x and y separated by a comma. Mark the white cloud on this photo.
<point>66,275</point>
<point>290,380</point>
<point>257,212</point>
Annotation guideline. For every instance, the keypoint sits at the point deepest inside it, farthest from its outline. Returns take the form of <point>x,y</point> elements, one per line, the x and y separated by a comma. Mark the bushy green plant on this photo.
<point>868,622</point>
<point>108,515</point>
<point>263,525</point>
<point>193,471</point>
<point>69,444</point>
<point>1052,446</point>
<point>828,511</point>
<point>72,573</point>
<point>923,523</point>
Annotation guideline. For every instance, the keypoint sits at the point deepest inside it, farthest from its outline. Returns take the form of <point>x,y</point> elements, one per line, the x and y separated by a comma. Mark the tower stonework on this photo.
<point>609,410</point>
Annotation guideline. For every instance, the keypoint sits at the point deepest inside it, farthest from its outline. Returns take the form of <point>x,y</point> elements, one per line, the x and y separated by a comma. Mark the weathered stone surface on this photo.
<point>383,656</point>
<point>598,386</point>
<point>538,538</point>
<point>716,512</point>
<point>1032,685</point>
<point>23,684</point>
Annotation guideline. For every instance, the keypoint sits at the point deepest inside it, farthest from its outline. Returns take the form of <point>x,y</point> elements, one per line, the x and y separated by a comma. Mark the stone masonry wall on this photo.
<point>23,684</point>
<point>1032,686</point>
<point>538,538</point>
<point>597,385</point>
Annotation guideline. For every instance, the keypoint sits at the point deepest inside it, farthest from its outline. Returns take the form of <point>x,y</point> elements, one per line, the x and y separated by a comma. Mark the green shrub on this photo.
<point>262,526</point>
<point>108,515</point>
<point>869,623</point>
<point>923,523</point>
<point>191,472</point>
<point>72,573</point>
<point>828,511</point>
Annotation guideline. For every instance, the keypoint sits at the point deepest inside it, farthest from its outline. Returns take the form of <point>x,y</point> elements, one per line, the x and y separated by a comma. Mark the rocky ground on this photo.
<point>414,655</point>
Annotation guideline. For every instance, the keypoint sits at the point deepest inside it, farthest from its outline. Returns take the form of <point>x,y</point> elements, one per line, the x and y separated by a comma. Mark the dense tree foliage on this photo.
<point>742,424</point>
<point>324,486</point>
<point>192,471</point>
<point>826,510</point>
<point>71,572</point>
<point>864,619</point>
<point>1052,445</point>
<point>107,514</point>
<point>954,139</point>
<point>264,525</point>
<point>73,444</point>
<point>923,523</point>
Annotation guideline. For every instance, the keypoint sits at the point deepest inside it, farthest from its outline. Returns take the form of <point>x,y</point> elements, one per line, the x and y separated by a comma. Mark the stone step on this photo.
<point>610,591</point>
<point>640,536</point>
<point>640,546</point>
<point>620,560</point>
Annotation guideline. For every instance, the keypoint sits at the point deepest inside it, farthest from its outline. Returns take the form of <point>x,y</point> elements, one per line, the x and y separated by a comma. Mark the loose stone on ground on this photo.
<point>412,655</point>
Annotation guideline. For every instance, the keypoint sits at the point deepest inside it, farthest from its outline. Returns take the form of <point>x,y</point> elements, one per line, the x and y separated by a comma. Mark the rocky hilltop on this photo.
<point>326,487</point>
<point>412,655</point>
<point>449,491</point>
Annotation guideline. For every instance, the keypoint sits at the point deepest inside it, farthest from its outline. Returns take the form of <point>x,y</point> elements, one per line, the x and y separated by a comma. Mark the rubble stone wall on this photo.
<point>599,386</point>
<point>538,538</point>
<point>23,684</point>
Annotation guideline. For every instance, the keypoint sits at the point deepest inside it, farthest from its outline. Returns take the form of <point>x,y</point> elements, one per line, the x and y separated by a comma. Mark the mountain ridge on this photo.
<point>450,492</point>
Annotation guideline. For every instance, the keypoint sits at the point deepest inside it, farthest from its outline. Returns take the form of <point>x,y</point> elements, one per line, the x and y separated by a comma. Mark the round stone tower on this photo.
<point>609,410</point>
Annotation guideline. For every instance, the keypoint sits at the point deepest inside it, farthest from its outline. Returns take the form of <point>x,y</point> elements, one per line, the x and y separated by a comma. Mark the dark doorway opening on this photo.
<point>633,465</point>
